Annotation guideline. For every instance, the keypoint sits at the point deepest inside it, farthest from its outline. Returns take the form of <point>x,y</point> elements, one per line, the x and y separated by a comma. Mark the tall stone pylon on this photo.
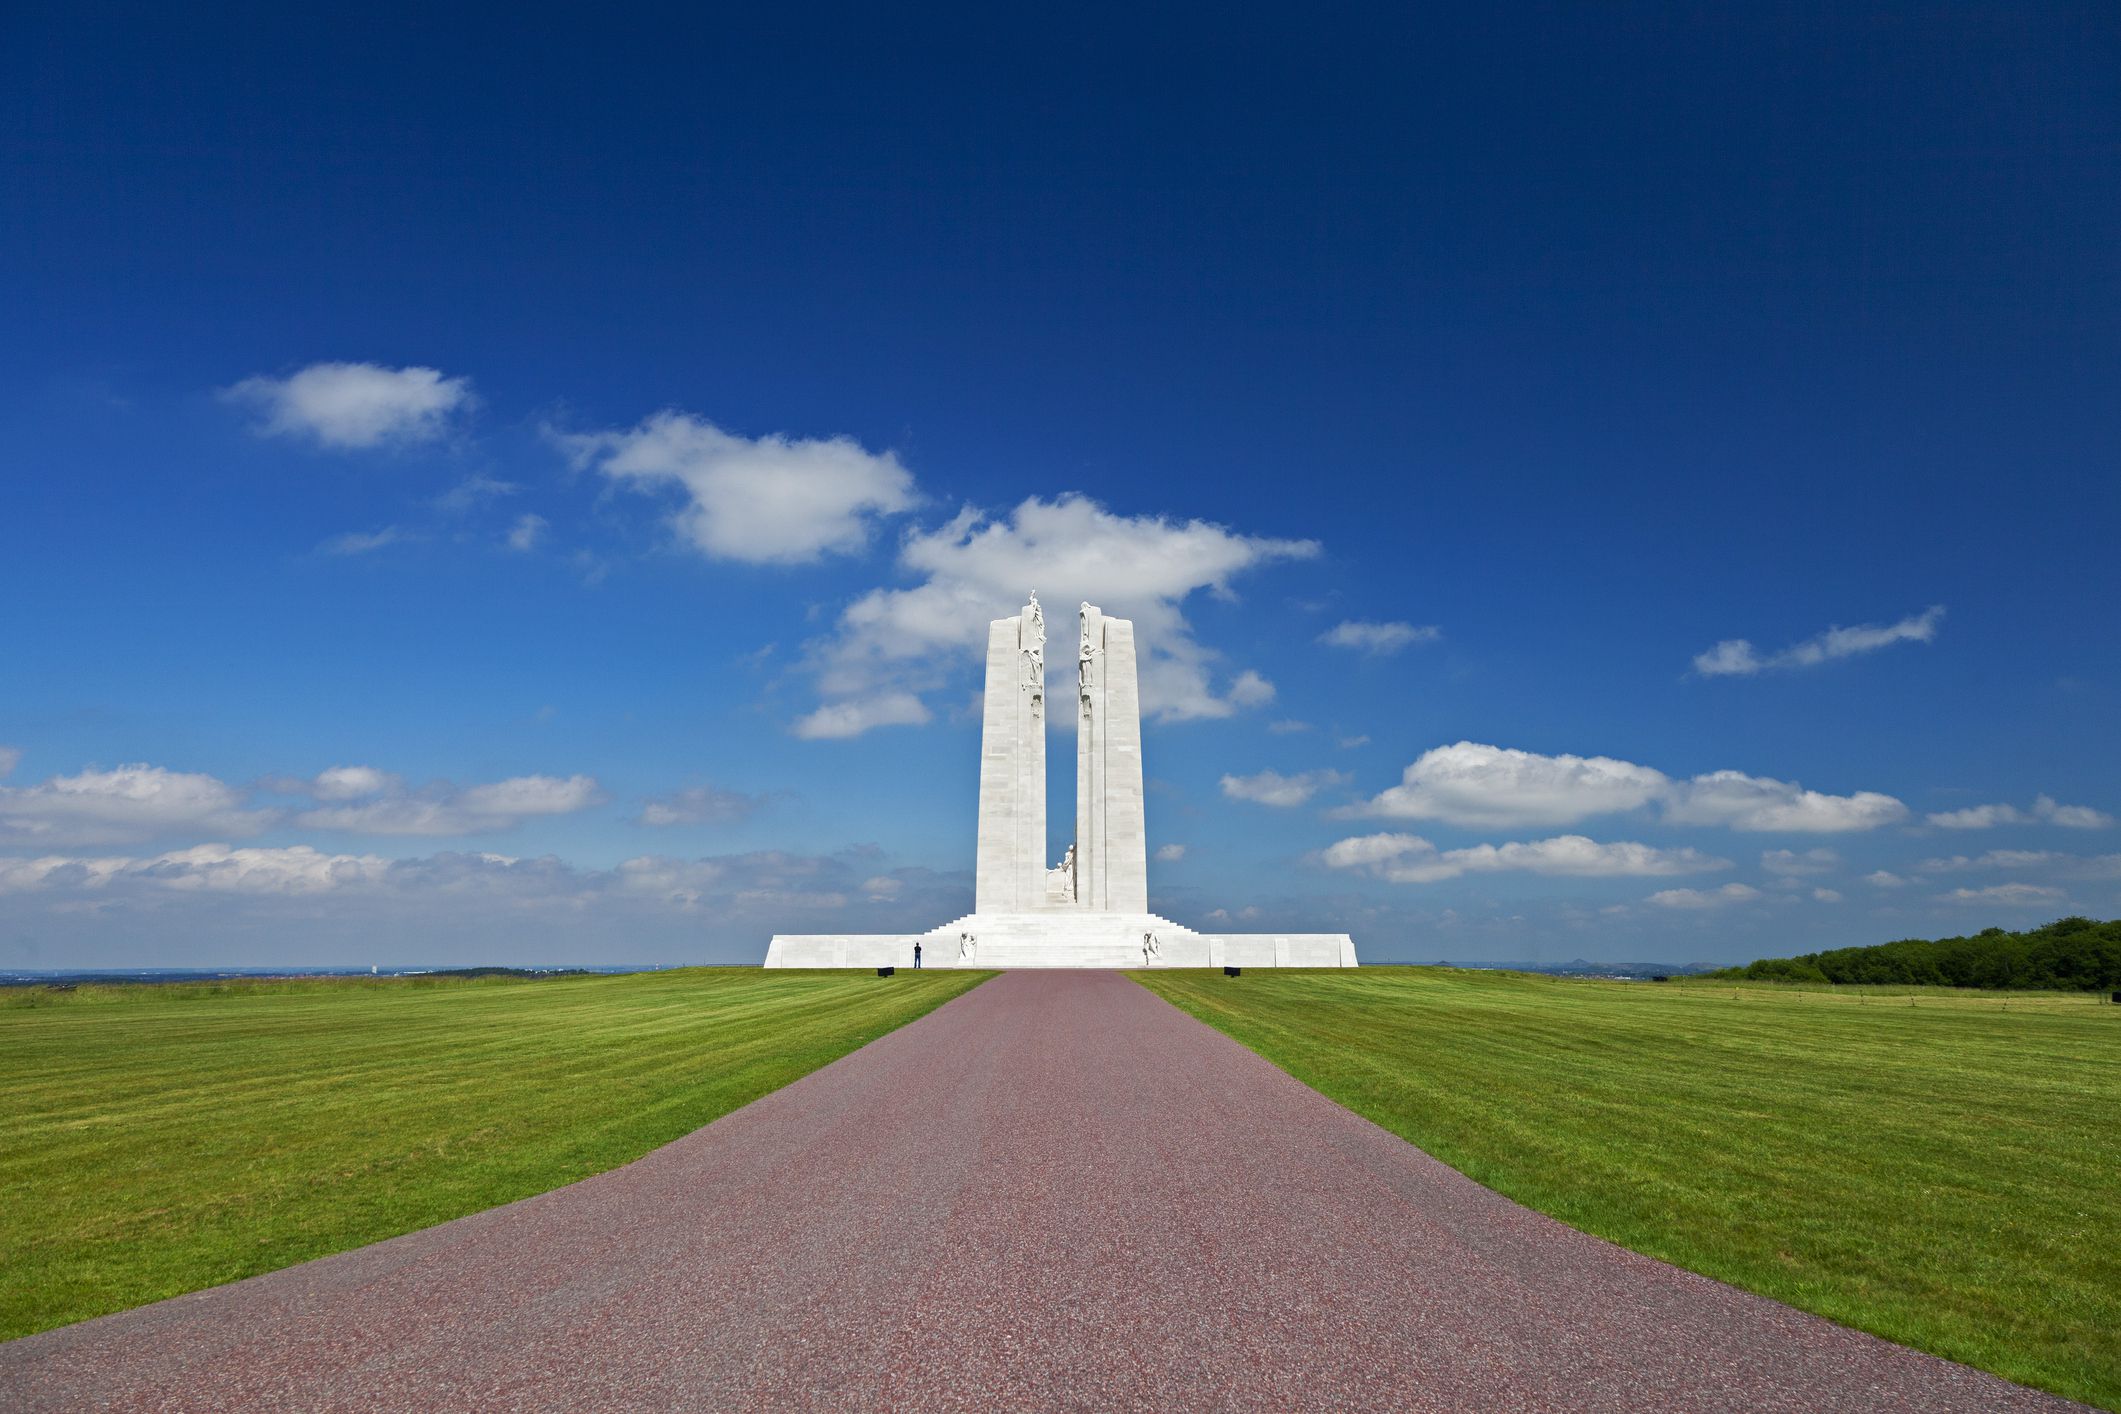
<point>1111,832</point>
<point>1010,873</point>
<point>1111,855</point>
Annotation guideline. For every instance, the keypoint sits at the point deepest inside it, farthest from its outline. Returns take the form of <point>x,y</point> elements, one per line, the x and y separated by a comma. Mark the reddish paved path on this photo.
<point>1055,1191</point>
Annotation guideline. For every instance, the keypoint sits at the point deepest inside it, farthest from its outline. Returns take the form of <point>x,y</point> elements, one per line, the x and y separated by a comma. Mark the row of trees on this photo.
<point>2070,954</point>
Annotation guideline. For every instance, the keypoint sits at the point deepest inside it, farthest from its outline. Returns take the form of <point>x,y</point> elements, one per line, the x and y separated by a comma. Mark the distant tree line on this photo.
<point>2070,954</point>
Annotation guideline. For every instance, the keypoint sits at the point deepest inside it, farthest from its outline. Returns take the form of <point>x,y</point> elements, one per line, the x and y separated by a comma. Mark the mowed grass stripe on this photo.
<point>156,1140</point>
<point>1940,1170</point>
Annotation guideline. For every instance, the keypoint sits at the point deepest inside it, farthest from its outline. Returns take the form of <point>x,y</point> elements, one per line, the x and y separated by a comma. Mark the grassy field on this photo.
<point>1939,1168</point>
<point>159,1139</point>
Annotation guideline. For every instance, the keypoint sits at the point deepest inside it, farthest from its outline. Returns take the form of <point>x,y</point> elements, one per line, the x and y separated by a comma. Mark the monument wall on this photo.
<point>1091,910</point>
<point>1111,830</point>
<point>1010,870</point>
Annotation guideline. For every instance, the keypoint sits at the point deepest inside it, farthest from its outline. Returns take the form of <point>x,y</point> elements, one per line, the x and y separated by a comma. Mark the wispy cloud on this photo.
<point>1704,898</point>
<point>2008,896</point>
<point>363,800</point>
<point>1793,863</point>
<point>526,532</point>
<point>1736,657</point>
<point>361,542</point>
<point>1410,859</point>
<point>698,805</point>
<point>474,490</point>
<point>2045,811</point>
<point>213,868</point>
<point>477,892</point>
<point>1273,788</point>
<point>1379,638</point>
<point>2046,861</point>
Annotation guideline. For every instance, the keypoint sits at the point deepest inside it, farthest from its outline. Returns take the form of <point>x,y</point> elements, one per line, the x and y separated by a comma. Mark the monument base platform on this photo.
<point>1062,938</point>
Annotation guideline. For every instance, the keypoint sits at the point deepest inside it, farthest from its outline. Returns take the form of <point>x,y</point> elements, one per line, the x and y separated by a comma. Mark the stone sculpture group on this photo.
<point>1092,908</point>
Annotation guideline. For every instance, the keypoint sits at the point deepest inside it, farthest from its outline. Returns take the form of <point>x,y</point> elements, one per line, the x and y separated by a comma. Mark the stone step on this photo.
<point>1056,955</point>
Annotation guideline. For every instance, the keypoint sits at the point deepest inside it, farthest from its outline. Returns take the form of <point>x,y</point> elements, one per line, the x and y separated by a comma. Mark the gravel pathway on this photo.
<point>1056,1191</point>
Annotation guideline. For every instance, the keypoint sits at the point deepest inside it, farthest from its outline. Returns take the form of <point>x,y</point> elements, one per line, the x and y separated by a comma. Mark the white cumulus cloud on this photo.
<point>353,782</point>
<point>126,804</point>
<point>893,644</point>
<point>1477,785</point>
<point>1736,657</point>
<point>762,500</point>
<point>1170,853</point>
<point>1758,803</point>
<point>851,716</point>
<point>1273,788</point>
<point>1249,689</point>
<point>1472,784</point>
<point>1379,638</point>
<point>1410,859</point>
<point>355,404</point>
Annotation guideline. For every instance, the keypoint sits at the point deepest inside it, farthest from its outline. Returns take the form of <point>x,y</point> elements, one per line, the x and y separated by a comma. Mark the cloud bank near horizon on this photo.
<point>1482,786</point>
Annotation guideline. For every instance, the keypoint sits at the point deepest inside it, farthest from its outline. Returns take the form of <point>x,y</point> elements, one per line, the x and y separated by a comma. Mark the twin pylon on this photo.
<point>1106,870</point>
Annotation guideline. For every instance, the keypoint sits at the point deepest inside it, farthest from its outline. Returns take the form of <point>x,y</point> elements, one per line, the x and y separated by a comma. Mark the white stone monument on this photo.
<point>1091,909</point>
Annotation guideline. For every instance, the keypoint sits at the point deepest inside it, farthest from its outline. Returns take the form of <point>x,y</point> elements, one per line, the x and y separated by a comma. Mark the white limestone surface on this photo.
<point>1111,829</point>
<point>1055,939</point>
<point>1092,910</point>
<point>1010,870</point>
<point>840,950</point>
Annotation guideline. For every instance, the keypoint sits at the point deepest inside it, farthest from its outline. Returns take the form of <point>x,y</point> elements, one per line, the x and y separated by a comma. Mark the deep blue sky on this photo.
<point>1591,338</point>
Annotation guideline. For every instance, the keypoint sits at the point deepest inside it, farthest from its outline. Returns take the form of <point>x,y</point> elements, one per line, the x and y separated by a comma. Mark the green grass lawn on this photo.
<point>159,1139</point>
<point>1941,1169</point>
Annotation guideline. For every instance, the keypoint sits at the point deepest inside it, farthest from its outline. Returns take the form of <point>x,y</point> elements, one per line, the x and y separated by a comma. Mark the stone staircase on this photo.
<point>1062,938</point>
